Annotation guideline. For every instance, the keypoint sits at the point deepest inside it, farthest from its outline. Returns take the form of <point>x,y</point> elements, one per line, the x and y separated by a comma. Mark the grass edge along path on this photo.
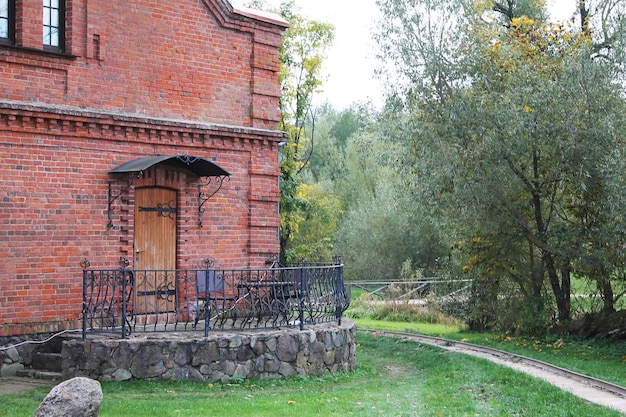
<point>596,358</point>
<point>394,377</point>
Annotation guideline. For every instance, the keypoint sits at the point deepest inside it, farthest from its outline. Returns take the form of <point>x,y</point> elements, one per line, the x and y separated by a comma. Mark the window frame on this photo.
<point>10,40</point>
<point>48,26</point>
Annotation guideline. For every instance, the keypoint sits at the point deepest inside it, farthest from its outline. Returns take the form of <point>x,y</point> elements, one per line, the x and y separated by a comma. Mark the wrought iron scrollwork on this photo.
<point>204,196</point>
<point>123,262</point>
<point>85,263</point>
<point>272,260</point>
<point>123,189</point>
<point>207,262</point>
<point>187,159</point>
<point>208,297</point>
<point>163,209</point>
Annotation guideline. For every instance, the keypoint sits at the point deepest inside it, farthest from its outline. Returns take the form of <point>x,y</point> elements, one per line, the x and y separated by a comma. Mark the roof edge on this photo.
<point>261,15</point>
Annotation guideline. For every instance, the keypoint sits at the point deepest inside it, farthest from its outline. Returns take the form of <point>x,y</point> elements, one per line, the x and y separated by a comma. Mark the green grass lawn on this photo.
<point>394,377</point>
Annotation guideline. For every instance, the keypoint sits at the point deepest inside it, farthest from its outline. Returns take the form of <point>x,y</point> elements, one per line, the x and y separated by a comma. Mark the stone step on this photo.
<point>48,361</point>
<point>54,345</point>
<point>39,374</point>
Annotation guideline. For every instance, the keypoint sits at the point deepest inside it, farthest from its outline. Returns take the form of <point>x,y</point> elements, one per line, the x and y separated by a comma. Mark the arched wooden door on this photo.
<point>155,250</point>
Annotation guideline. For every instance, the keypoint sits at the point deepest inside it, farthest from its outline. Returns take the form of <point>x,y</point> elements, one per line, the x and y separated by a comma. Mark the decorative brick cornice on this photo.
<point>73,121</point>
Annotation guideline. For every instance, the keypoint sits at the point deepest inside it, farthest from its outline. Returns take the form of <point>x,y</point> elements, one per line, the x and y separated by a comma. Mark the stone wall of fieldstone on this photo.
<point>223,356</point>
<point>10,362</point>
<point>17,352</point>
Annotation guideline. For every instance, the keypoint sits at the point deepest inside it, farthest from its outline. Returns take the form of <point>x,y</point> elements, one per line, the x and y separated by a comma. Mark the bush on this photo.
<point>363,307</point>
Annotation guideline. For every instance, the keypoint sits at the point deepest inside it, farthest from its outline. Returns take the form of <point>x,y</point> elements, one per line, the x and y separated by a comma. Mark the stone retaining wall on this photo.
<point>223,356</point>
<point>18,352</point>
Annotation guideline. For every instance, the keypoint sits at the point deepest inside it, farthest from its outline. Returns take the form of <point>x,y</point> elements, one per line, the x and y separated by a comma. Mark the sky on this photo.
<point>350,64</point>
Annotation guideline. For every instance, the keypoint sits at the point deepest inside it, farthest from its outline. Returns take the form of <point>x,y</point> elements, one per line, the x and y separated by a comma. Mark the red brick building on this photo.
<point>117,113</point>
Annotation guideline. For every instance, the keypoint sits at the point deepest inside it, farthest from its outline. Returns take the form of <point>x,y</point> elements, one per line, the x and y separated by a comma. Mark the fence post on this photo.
<point>123,265</point>
<point>84,264</point>
<point>124,304</point>
<point>207,306</point>
<point>338,297</point>
<point>301,297</point>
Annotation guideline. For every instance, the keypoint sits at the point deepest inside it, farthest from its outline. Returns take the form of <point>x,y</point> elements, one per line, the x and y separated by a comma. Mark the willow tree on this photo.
<point>517,129</point>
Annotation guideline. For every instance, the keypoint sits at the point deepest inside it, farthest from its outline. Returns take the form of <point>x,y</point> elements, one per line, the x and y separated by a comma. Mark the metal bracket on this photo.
<point>130,180</point>
<point>203,197</point>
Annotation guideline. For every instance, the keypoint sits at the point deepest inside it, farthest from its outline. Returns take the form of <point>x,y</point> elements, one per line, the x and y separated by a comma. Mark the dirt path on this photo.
<point>579,389</point>
<point>16,385</point>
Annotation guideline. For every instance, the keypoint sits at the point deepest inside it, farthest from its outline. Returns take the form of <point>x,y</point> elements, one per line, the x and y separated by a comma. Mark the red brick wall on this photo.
<point>167,59</point>
<point>53,209</point>
<point>138,79</point>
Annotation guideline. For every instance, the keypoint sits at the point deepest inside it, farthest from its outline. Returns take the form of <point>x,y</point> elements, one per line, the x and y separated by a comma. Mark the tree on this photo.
<point>317,225</point>
<point>301,54</point>
<point>333,131</point>
<point>515,122</point>
<point>383,227</point>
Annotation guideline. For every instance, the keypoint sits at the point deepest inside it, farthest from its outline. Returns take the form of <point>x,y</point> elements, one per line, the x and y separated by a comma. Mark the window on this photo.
<point>53,25</point>
<point>7,21</point>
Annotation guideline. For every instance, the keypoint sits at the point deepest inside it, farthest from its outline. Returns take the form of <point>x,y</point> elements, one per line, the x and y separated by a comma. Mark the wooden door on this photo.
<point>155,250</point>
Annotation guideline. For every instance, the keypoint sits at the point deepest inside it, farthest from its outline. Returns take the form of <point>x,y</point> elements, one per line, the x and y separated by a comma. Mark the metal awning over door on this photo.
<point>201,167</point>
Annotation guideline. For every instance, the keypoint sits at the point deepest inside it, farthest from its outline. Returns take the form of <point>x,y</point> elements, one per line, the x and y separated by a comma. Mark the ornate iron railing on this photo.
<point>124,300</point>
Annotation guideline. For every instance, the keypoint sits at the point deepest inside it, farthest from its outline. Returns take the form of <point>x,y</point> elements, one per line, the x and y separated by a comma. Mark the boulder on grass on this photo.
<point>76,397</point>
